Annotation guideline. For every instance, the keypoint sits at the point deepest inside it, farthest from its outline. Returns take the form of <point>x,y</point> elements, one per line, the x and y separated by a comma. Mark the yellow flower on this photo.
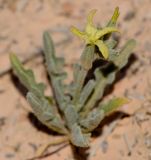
<point>92,35</point>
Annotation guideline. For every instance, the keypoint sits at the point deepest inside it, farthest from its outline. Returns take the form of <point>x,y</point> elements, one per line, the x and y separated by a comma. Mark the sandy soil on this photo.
<point>127,135</point>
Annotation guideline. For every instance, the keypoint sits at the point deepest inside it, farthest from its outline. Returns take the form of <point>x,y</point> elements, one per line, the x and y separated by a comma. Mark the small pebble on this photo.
<point>2,121</point>
<point>148,142</point>
<point>130,15</point>
<point>104,146</point>
<point>9,155</point>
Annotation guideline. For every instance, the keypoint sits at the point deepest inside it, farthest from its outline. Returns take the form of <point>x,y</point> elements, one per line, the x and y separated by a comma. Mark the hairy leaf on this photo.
<point>45,112</point>
<point>87,57</point>
<point>78,138</point>
<point>71,115</point>
<point>121,59</point>
<point>26,76</point>
<point>55,70</point>
<point>85,93</point>
<point>92,120</point>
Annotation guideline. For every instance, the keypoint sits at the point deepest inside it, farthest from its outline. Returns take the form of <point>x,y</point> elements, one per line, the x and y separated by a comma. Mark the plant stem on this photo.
<point>98,92</point>
<point>79,84</point>
<point>44,147</point>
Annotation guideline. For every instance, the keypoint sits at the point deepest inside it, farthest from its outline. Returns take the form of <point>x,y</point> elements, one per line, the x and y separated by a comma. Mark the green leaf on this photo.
<point>101,83</point>
<point>121,60</point>
<point>76,70</point>
<point>111,43</point>
<point>87,57</point>
<point>85,94</point>
<point>70,115</point>
<point>78,84</point>
<point>78,138</point>
<point>50,57</point>
<point>26,76</point>
<point>113,105</point>
<point>93,119</point>
<point>46,113</point>
<point>55,70</point>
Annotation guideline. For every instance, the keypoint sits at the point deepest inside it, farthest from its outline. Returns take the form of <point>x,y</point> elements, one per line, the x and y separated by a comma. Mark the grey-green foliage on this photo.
<point>78,103</point>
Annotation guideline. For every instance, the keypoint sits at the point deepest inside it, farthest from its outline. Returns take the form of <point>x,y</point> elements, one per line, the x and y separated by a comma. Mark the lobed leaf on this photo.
<point>54,65</point>
<point>78,102</point>
<point>40,104</point>
<point>55,70</point>
<point>26,76</point>
<point>45,113</point>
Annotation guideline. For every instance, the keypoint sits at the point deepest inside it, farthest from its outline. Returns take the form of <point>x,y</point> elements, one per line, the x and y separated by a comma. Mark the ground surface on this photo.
<point>22,23</point>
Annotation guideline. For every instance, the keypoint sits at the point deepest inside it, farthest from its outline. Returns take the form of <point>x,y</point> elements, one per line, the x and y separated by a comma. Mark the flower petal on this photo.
<point>78,33</point>
<point>90,16</point>
<point>103,48</point>
<point>105,31</point>
<point>90,29</point>
<point>114,18</point>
